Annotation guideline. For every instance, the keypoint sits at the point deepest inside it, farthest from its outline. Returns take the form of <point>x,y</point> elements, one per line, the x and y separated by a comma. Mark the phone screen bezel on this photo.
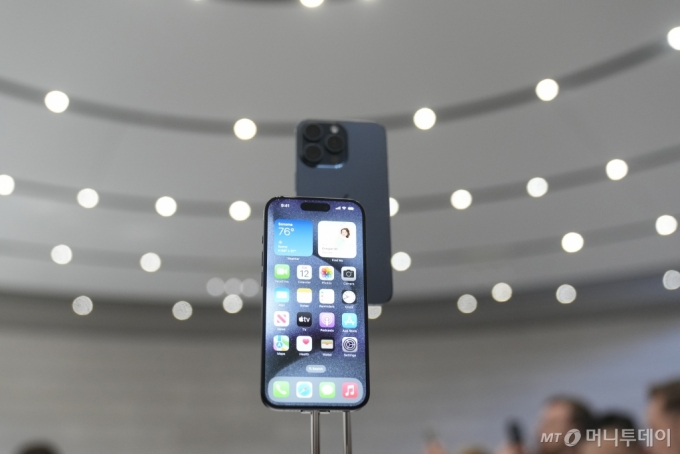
<point>263,385</point>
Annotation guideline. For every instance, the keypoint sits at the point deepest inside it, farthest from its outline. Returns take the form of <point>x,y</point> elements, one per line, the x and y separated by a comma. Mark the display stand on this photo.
<point>316,432</point>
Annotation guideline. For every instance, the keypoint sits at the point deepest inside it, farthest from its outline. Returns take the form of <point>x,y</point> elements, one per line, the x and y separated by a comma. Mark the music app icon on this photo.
<point>350,390</point>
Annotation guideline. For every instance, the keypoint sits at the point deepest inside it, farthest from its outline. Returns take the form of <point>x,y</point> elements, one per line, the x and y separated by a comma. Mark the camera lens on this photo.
<point>313,132</point>
<point>313,153</point>
<point>335,143</point>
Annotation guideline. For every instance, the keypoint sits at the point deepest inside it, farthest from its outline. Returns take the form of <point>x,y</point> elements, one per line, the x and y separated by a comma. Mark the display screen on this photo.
<point>314,349</point>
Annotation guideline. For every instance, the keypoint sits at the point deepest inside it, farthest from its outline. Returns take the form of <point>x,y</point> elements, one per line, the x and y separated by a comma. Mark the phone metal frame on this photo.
<point>263,394</point>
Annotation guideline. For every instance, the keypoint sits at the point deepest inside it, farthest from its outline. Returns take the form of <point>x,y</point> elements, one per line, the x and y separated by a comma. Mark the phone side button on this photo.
<point>261,277</point>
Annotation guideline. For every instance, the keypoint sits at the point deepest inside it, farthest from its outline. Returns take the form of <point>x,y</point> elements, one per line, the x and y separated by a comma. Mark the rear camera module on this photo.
<point>313,132</point>
<point>313,153</point>
<point>335,143</point>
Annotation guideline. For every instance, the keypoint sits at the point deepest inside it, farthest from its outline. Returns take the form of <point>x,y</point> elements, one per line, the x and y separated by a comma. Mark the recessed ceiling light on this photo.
<point>311,3</point>
<point>461,199</point>
<point>424,118</point>
<point>239,211</point>
<point>88,198</point>
<point>501,292</point>
<point>250,287</point>
<point>537,187</point>
<point>182,310</point>
<point>215,286</point>
<point>401,261</point>
<point>232,304</point>
<point>232,285</point>
<point>671,280</point>
<point>245,129</point>
<point>572,242</point>
<point>61,254</point>
<point>394,206</point>
<point>166,206</point>
<point>82,305</point>
<point>150,262</point>
<point>674,38</point>
<point>616,169</point>
<point>6,185</point>
<point>547,90</point>
<point>56,101</point>
<point>666,224</point>
<point>374,311</point>
<point>566,294</point>
<point>467,304</point>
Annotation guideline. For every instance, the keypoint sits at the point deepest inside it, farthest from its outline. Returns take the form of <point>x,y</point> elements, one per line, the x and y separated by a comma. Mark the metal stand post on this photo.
<point>316,439</point>
<point>347,431</point>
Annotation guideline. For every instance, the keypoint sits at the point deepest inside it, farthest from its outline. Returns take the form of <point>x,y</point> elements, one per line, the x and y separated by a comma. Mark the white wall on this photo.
<point>109,394</point>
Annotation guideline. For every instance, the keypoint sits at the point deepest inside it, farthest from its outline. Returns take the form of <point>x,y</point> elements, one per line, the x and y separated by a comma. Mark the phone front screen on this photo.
<point>315,351</point>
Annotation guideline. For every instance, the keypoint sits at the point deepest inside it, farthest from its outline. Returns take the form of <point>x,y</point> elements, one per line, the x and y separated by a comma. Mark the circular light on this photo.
<point>239,211</point>
<point>461,199</point>
<point>394,206</point>
<point>674,38</point>
<point>572,242</point>
<point>245,129</point>
<point>166,206</point>
<point>232,285</point>
<point>61,254</point>
<point>374,311</point>
<point>547,90</point>
<point>82,305</point>
<point>501,292</point>
<point>182,310</point>
<point>311,3</point>
<point>424,118</point>
<point>232,304</point>
<point>566,294</point>
<point>467,304</point>
<point>616,169</point>
<point>537,187</point>
<point>666,224</point>
<point>401,261</point>
<point>150,262</point>
<point>88,198</point>
<point>56,101</point>
<point>6,185</point>
<point>250,287</point>
<point>215,286</point>
<point>671,280</point>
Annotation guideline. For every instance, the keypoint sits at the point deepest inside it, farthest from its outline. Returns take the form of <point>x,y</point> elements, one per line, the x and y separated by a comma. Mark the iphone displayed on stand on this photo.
<point>348,159</point>
<point>314,316</point>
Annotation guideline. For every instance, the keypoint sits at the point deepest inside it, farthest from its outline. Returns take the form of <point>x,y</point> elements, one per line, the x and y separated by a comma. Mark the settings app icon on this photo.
<point>350,344</point>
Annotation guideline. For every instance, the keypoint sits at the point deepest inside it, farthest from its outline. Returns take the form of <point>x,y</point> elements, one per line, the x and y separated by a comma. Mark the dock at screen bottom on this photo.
<point>315,390</point>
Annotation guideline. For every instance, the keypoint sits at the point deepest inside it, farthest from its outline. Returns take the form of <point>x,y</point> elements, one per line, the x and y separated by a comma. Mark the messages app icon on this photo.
<point>327,390</point>
<point>293,237</point>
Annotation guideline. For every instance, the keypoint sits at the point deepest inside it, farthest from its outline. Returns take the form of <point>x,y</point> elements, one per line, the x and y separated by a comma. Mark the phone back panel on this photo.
<point>362,177</point>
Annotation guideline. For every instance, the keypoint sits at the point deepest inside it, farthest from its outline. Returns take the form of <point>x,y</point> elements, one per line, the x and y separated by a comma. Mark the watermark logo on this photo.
<point>570,438</point>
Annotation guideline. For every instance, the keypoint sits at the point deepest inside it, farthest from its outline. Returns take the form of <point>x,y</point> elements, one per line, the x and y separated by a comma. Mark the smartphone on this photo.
<point>315,339</point>
<point>348,159</point>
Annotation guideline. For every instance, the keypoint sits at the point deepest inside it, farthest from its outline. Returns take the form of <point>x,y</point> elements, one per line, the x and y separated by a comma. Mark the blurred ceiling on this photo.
<point>200,65</point>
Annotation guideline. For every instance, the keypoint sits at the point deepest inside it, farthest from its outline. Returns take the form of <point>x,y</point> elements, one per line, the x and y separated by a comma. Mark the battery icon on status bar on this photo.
<point>350,208</point>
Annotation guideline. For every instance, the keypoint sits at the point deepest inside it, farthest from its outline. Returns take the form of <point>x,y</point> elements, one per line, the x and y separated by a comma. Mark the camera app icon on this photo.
<point>348,273</point>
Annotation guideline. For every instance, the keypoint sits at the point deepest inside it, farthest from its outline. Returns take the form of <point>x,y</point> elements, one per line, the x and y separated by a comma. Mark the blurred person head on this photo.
<point>663,413</point>
<point>610,426</point>
<point>38,448</point>
<point>560,414</point>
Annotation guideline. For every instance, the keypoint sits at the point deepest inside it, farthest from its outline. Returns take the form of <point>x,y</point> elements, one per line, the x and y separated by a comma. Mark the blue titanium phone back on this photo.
<point>362,177</point>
